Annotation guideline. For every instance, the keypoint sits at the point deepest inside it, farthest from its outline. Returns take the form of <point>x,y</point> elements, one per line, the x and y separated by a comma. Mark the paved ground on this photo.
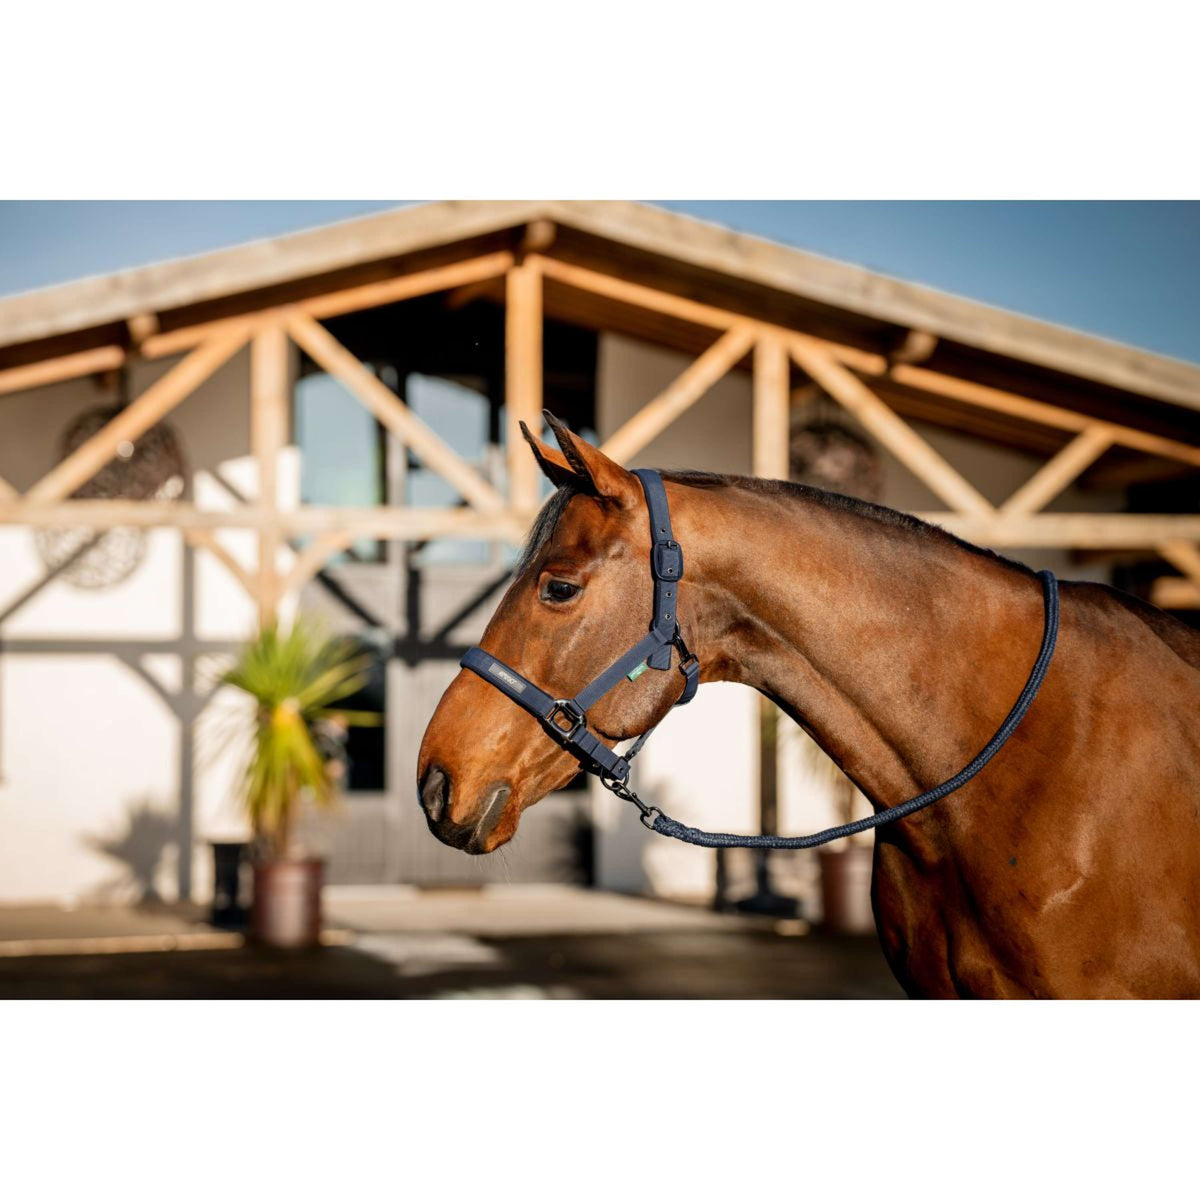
<point>398,943</point>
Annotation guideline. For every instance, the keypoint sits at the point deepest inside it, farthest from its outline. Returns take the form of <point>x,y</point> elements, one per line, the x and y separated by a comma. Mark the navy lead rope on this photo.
<point>657,820</point>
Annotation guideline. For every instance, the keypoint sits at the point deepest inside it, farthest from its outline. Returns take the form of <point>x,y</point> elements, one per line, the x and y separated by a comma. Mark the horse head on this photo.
<point>581,593</point>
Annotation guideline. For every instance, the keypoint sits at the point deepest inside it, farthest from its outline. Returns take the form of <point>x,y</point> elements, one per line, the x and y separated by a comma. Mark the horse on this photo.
<point>1069,867</point>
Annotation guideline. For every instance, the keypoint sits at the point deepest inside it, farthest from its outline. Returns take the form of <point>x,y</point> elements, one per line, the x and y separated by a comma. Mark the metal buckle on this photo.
<point>573,713</point>
<point>666,561</point>
<point>649,816</point>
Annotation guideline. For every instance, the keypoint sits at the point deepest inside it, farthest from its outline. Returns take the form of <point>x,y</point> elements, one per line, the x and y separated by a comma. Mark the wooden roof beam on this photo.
<point>917,347</point>
<point>485,268</point>
<point>754,264</point>
<point>1059,473</point>
<point>146,411</point>
<point>403,524</point>
<point>1084,531</point>
<point>1039,412</point>
<point>1076,531</point>
<point>56,370</point>
<point>678,396</point>
<point>892,431</point>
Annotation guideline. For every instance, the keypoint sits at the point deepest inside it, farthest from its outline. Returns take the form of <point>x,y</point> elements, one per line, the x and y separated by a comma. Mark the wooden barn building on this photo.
<point>325,421</point>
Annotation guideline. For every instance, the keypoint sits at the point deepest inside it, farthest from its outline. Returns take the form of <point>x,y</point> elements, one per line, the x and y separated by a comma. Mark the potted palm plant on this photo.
<point>846,870</point>
<point>845,865</point>
<point>295,677</point>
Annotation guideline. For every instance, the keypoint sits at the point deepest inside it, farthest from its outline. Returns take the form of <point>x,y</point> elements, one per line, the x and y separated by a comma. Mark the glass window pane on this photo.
<point>459,416</point>
<point>341,451</point>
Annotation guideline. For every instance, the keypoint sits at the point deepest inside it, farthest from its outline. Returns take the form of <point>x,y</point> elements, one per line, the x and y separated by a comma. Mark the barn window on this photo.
<point>342,452</point>
<point>459,412</point>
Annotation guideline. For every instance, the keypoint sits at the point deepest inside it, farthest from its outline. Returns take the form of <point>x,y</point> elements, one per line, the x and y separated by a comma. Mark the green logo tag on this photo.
<point>636,672</point>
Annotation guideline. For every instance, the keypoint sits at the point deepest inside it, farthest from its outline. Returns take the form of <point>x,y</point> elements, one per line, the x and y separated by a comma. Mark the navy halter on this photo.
<point>566,720</point>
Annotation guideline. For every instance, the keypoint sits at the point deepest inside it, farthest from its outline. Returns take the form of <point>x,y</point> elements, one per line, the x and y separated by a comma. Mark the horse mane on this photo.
<point>551,512</point>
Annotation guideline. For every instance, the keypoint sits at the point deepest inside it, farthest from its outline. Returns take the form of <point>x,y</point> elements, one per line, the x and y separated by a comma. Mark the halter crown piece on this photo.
<point>565,721</point>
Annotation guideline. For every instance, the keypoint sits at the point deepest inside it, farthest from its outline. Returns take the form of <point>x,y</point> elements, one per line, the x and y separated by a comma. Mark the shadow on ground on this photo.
<point>738,964</point>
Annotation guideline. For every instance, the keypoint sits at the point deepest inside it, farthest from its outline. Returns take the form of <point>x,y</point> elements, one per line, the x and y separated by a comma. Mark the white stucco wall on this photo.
<point>93,760</point>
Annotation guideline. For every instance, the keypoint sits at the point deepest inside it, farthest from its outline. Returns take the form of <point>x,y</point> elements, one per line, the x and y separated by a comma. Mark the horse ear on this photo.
<point>554,466</point>
<point>608,480</point>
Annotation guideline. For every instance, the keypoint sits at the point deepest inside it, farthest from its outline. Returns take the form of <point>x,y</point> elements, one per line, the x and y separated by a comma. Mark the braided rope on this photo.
<point>657,820</point>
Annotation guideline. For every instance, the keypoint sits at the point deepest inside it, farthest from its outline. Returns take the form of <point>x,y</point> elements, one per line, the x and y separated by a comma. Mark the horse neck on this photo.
<point>897,648</point>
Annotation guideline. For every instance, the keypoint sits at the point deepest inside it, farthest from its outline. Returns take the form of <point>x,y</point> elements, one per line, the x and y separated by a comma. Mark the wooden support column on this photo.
<point>270,397</point>
<point>772,402</point>
<point>523,381</point>
<point>770,433</point>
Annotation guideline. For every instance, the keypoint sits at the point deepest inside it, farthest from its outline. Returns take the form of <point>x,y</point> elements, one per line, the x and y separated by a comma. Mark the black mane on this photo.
<point>552,511</point>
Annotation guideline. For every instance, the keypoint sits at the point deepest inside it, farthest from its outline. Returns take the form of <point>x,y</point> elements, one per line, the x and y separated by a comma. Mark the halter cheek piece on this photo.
<point>566,720</point>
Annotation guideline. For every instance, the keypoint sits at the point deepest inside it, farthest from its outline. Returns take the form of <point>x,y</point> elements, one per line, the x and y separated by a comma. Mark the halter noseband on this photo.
<point>566,720</point>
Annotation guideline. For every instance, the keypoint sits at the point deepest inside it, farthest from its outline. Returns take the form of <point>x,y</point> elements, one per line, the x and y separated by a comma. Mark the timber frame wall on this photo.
<point>843,372</point>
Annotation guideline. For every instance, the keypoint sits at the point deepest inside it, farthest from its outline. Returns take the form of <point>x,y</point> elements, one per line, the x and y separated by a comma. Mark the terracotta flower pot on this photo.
<point>846,890</point>
<point>287,903</point>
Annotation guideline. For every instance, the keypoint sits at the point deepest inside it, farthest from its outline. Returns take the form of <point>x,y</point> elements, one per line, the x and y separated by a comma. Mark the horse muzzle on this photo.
<point>474,833</point>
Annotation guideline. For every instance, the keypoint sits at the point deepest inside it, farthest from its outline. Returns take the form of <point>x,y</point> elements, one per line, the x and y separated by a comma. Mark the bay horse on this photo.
<point>1069,867</point>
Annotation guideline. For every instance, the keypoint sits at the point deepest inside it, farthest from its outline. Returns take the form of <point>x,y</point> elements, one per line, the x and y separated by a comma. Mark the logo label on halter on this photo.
<point>517,685</point>
<point>638,670</point>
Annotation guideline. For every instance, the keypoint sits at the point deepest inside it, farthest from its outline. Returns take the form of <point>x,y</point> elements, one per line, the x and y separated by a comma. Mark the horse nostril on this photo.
<point>435,793</point>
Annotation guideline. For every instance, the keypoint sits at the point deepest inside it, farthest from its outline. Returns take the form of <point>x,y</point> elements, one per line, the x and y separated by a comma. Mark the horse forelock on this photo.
<point>544,526</point>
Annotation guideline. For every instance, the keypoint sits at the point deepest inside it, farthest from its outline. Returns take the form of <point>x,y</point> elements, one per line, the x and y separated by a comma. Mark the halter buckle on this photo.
<point>666,561</point>
<point>569,710</point>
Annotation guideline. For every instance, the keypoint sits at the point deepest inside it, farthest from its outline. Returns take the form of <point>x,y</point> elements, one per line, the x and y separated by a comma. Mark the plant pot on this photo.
<point>287,903</point>
<point>846,890</point>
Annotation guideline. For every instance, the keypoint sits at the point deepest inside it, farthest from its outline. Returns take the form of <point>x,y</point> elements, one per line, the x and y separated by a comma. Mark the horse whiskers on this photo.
<point>504,863</point>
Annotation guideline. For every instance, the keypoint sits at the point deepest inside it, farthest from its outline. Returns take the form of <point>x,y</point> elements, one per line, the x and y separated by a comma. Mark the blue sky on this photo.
<point>1124,270</point>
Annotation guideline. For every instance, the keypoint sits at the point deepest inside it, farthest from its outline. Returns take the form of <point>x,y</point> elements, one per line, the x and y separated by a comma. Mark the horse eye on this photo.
<point>558,590</point>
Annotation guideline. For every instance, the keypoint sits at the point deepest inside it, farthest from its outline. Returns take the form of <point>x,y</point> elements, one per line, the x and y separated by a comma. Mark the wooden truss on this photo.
<point>843,372</point>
